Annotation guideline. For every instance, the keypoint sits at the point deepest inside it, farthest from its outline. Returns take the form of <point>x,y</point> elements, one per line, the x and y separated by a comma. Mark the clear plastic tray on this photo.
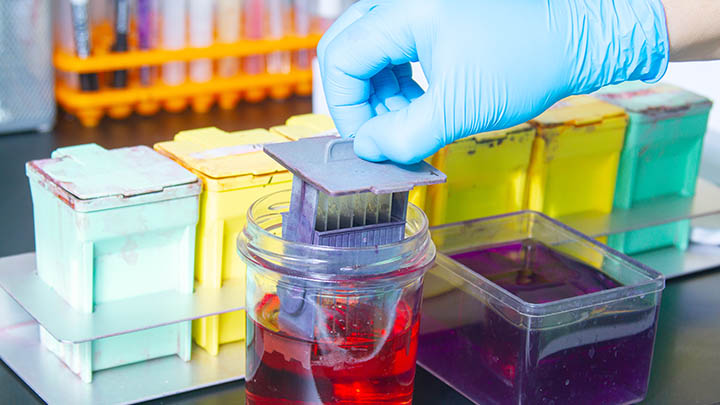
<point>494,347</point>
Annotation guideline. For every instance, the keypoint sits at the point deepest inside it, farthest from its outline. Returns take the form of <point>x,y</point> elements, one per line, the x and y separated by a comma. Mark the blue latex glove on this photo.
<point>490,64</point>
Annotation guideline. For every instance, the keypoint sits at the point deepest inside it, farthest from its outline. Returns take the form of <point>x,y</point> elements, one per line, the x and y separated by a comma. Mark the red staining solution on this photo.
<point>361,357</point>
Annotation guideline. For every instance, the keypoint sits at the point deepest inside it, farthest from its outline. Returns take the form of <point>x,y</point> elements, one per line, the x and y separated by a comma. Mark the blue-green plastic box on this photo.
<point>112,225</point>
<point>661,156</point>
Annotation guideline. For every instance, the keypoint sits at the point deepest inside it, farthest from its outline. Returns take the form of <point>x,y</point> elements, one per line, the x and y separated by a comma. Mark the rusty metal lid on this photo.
<point>658,101</point>
<point>89,177</point>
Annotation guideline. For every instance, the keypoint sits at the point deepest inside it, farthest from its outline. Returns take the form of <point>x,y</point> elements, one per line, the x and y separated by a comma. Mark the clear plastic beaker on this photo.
<point>326,324</point>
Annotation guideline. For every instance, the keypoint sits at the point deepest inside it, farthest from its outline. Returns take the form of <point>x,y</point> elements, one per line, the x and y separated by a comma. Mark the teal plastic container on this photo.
<point>111,225</point>
<point>661,156</point>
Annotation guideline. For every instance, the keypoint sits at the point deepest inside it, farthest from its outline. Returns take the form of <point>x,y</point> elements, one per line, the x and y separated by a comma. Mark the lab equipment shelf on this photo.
<point>18,276</point>
<point>91,106</point>
<point>85,101</point>
<point>21,350</point>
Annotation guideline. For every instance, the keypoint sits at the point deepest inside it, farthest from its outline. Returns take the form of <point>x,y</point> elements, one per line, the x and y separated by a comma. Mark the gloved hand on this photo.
<point>490,64</point>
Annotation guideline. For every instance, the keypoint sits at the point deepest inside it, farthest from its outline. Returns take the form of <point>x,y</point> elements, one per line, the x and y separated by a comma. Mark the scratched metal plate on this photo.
<point>20,349</point>
<point>658,211</point>
<point>19,278</point>
<point>90,171</point>
<point>673,263</point>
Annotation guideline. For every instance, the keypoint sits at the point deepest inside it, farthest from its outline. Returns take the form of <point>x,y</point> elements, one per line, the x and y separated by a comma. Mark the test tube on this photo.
<point>81,36</point>
<point>302,14</point>
<point>254,19</point>
<point>278,13</point>
<point>174,20</point>
<point>201,35</point>
<point>63,33</point>
<point>99,12</point>
<point>326,12</point>
<point>62,26</point>
<point>147,32</point>
<point>228,25</point>
<point>122,19</point>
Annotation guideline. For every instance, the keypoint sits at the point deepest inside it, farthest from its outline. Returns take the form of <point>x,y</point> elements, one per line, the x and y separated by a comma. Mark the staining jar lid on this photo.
<point>578,111</point>
<point>306,126</point>
<point>217,154</point>
<point>89,177</point>
<point>315,122</point>
<point>519,134</point>
<point>659,101</point>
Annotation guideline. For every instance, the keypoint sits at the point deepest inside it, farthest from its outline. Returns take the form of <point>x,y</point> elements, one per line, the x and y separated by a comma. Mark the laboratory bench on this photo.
<point>686,362</point>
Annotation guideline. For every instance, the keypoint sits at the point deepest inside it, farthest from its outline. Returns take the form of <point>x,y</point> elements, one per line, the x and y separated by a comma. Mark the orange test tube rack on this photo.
<point>91,106</point>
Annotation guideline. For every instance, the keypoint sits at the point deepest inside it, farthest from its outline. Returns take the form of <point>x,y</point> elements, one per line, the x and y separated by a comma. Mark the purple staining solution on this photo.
<point>491,358</point>
<point>535,273</point>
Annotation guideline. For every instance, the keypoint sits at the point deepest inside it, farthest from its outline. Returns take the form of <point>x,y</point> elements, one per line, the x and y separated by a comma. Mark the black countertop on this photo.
<point>686,364</point>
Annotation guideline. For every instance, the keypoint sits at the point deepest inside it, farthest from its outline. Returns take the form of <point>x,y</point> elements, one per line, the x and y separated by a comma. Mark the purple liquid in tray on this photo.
<point>599,358</point>
<point>534,272</point>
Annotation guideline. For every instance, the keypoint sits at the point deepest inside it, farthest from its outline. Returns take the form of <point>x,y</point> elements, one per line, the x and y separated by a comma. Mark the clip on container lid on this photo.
<point>330,165</point>
<point>218,154</point>
<point>661,100</point>
<point>89,177</point>
<point>578,111</point>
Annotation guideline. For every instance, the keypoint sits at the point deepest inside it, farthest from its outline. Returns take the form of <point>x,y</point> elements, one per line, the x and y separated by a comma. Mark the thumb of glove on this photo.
<point>404,136</point>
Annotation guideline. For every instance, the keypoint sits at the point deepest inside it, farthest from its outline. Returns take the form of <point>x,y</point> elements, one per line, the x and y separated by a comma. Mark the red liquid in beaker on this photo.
<point>356,361</point>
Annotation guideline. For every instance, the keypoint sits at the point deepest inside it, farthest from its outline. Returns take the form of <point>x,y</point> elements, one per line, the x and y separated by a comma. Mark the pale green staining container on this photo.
<point>661,156</point>
<point>112,225</point>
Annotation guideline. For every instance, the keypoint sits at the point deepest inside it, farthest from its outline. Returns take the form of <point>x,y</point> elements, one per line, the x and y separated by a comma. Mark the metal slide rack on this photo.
<point>703,210</point>
<point>26,302</point>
